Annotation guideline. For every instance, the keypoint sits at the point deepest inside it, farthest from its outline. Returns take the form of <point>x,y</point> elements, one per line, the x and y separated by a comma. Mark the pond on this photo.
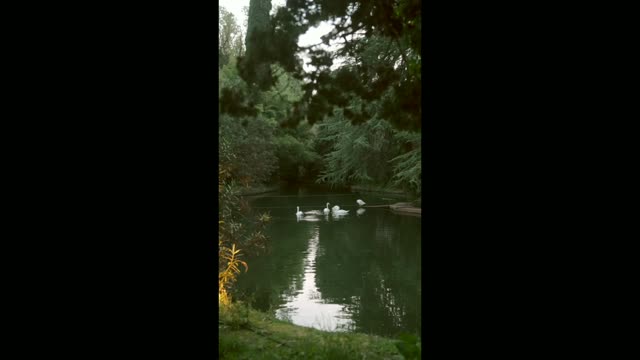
<point>359,272</point>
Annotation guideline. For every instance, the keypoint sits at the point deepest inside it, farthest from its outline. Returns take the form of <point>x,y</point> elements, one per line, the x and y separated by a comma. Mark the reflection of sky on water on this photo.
<point>359,272</point>
<point>311,218</point>
<point>307,308</point>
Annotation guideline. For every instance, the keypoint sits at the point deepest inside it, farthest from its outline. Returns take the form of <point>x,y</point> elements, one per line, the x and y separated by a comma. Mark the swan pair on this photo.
<point>334,209</point>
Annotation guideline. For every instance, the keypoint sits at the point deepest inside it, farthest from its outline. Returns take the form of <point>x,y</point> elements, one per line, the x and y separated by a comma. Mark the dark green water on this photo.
<point>358,272</point>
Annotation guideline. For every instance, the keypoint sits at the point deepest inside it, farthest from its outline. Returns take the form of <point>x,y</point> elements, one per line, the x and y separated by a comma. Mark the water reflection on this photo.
<point>307,308</point>
<point>338,217</point>
<point>356,273</point>
<point>371,265</point>
<point>310,218</point>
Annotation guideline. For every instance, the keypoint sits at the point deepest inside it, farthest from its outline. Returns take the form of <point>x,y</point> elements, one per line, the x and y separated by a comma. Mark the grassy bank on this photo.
<point>249,334</point>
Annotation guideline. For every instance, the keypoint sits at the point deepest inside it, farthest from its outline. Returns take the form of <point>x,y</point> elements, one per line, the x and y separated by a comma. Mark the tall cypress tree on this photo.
<point>255,67</point>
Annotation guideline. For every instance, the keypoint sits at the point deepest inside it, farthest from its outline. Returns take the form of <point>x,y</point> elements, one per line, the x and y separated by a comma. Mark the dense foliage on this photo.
<point>372,153</point>
<point>380,40</point>
<point>251,141</point>
<point>367,110</point>
<point>236,229</point>
<point>355,119</point>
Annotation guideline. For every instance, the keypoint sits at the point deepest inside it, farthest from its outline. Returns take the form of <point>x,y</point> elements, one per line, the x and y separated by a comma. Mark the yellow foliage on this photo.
<point>228,275</point>
<point>229,265</point>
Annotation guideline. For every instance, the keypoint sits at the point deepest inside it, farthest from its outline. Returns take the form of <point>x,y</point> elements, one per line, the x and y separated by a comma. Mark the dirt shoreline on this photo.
<point>402,208</point>
<point>406,209</point>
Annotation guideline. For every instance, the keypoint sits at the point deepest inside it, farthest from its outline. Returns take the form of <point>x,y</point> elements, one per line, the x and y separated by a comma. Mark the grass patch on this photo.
<point>249,334</point>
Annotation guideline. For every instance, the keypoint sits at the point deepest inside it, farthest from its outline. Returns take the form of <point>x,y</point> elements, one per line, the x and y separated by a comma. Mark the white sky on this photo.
<point>310,37</point>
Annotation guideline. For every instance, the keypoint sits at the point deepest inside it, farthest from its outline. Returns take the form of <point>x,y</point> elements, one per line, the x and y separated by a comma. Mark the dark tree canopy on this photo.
<point>379,42</point>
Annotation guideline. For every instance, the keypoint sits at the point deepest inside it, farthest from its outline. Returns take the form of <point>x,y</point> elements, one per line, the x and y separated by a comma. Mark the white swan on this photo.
<point>335,208</point>
<point>298,213</point>
<point>340,212</point>
<point>360,202</point>
<point>326,210</point>
<point>313,212</point>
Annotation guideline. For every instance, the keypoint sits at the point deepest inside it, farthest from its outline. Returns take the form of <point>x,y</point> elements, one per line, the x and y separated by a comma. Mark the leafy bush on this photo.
<point>297,158</point>
<point>235,315</point>
<point>409,346</point>
<point>235,229</point>
<point>251,141</point>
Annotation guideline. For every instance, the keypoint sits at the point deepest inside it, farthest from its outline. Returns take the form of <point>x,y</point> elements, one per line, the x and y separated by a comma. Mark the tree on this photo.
<point>356,152</point>
<point>360,27</point>
<point>366,103</point>
<point>230,38</point>
<point>255,66</point>
<point>251,141</point>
